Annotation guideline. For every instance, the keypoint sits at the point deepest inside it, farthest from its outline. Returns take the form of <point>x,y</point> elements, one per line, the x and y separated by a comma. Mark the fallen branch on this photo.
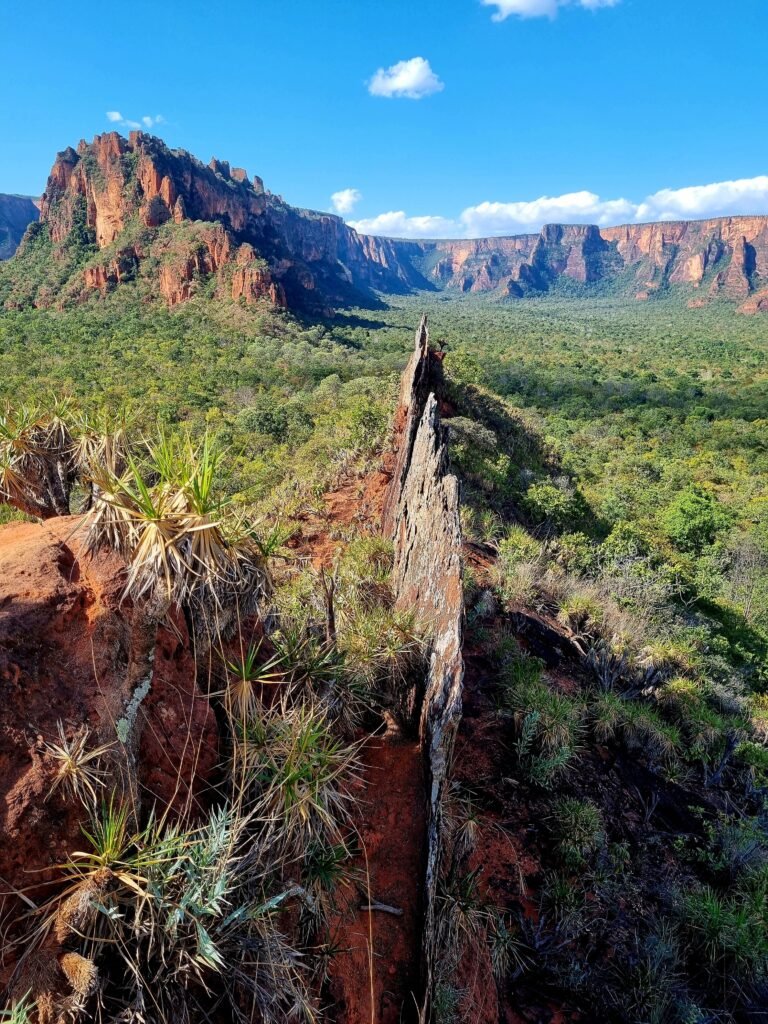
<point>383,907</point>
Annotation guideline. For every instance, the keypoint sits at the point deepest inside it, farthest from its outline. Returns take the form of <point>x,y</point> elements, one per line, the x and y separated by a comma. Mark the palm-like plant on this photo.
<point>37,469</point>
<point>245,675</point>
<point>164,517</point>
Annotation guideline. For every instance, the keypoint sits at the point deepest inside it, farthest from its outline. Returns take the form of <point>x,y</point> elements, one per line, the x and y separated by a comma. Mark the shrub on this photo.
<point>548,727</point>
<point>577,830</point>
<point>606,713</point>
<point>645,730</point>
<point>518,546</point>
<point>694,519</point>
<point>730,933</point>
<point>556,503</point>
<point>582,613</point>
<point>297,775</point>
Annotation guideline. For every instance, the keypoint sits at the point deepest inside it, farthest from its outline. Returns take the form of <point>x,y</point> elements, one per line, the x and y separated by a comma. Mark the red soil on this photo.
<point>65,655</point>
<point>375,979</point>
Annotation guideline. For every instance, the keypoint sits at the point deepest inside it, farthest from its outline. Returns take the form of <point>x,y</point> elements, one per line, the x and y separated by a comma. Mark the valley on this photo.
<point>383,622</point>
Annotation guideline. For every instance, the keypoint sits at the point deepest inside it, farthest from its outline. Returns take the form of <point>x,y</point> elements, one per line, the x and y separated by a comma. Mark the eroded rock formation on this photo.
<point>726,256</point>
<point>66,656</point>
<point>133,198</point>
<point>422,517</point>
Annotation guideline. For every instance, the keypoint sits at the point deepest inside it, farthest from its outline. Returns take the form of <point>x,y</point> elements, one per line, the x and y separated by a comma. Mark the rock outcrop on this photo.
<point>67,653</point>
<point>125,200</point>
<point>16,214</point>
<point>726,256</point>
<point>422,517</point>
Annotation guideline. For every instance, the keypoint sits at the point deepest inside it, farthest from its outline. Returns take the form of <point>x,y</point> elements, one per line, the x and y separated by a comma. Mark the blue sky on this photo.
<point>595,107</point>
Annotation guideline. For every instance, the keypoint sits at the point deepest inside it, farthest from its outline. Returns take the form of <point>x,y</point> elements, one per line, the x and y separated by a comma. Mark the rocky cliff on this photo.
<point>725,256</point>
<point>118,210</point>
<point>135,209</point>
<point>16,214</point>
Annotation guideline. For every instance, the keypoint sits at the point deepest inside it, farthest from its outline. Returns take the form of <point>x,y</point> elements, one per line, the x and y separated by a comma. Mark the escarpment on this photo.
<point>134,210</point>
<point>118,211</point>
<point>724,257</point>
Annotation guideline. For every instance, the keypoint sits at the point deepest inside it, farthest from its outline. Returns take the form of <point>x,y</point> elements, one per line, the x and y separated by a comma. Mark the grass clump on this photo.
<point>548,724</point>
<point>577,829</point>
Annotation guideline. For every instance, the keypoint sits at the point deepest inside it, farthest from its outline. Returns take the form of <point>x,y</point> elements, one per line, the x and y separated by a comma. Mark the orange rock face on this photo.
<point>314,260</point>
<point>281,254</point>
<point>113,180</point>
<point>729,254</point>
<point>65,656</point>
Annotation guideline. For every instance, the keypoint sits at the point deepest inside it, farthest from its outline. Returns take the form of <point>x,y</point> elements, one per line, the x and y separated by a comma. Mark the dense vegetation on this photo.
<point>614,460</point>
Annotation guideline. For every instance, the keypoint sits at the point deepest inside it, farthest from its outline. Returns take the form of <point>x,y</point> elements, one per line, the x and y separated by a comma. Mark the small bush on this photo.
<point>730,933</point>
<point>548,728</point>
<point>577,830</point>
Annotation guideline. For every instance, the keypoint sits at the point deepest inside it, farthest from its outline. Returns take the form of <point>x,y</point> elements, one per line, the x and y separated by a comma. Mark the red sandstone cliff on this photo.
<point>135,198</point>
<point>726,256</point>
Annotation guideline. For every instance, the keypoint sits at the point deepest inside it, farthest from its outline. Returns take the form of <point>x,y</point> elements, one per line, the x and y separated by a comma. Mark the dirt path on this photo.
<point>375,976</point>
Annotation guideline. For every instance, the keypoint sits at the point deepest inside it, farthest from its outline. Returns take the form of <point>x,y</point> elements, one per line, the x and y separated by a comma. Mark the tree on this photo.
<point>694,519</point>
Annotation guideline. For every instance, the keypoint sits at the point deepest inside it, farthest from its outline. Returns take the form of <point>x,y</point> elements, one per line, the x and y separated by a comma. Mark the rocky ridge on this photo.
<point>72,650</point>
<point>140,209</point>
<point>725,256</point>
<point>422,517</point>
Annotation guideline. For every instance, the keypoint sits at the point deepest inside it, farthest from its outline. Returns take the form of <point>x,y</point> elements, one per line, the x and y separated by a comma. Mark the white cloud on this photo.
<point>148,121</point>
<point>396,224</point>
<point>410,79</point>
<point>539,8</point>
<point>740,197</point>
<point>345,200</point>
<point>745,195</point>
<point>521,217</point>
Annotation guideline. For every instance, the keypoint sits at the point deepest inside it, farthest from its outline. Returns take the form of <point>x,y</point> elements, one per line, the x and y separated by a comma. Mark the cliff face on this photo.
<point>136,208</point>
<point>725,256</point>
<point>129,199</point>
<point>16,214</point>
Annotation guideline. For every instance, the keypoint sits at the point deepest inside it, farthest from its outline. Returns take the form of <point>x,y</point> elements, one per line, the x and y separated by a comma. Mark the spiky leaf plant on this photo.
<point>19,1012</point>
<point>165,518</point>
<point>37,467</point>
<point>245,676</point>
<point>77,767</point>
<point>299,776</point>
<point>175,919</point>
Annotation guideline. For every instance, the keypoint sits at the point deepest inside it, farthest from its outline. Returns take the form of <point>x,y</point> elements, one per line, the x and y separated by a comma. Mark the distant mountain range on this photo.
<point>123,210</point>
<point>16,213</point>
